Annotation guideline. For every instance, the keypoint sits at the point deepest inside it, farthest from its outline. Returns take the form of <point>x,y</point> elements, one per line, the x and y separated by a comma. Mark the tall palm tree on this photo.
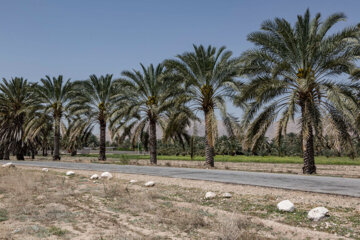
<point>54,95</point>
<point>294,72</point>
<point>16,104</point>
<point>146,97</point>
<point>95,98</point>
<point>209,77</point>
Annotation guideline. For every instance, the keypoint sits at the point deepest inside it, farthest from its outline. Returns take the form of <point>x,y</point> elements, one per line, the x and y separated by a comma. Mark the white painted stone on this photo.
<point>133,181</point>
<point>45,170</point>
<point>70,173</point>
<point>149,184</point>
<point>106,175</point>
<point>210,195</point>
<point>226,195</point>
<point>318,213</point>
<point>95,176</point>
<point>8,165</point>
<point>286,206</point>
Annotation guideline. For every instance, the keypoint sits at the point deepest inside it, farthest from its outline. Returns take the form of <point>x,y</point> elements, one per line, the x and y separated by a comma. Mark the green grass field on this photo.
<point>256,159</point>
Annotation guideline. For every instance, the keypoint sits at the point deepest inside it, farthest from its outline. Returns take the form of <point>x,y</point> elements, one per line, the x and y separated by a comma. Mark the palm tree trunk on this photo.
<point>102,153</point>
<point>20,156</point>
<point>308,144</point>
<point>209,146</point>
<point>44,151</point>
<point>192,147</point>
<point>19,151</point>
<point>56,155</point>
<point>152,142</point>
<point>6,153</point>
<point>1,153</point>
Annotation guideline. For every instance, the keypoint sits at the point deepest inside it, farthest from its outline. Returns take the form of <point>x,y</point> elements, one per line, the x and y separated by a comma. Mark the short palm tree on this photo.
<point>16,104</point>
<point>40,127</point>
<point>54,96</point>
<point>76,133</point>
<point>146,97</point>
<point>95,98</point>
<point>209,77</point>
<point>294,72</point>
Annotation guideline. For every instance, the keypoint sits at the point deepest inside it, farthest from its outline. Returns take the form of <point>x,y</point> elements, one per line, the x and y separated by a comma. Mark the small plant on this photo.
<point>112,190</point>
<point>53,230</point>
<point>3,215</point>
<point>124,160</point>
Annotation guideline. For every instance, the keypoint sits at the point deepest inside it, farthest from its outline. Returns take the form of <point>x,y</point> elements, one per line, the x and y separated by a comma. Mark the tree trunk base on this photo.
<point>209,165</point>
<point>309,169</point>
<point>56,158</point>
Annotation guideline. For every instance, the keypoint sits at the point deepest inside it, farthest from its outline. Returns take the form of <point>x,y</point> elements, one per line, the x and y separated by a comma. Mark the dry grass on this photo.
<point>35,205</point>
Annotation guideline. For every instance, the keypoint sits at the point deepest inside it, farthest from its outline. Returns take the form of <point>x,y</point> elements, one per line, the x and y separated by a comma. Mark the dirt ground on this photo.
<point>50,205</point>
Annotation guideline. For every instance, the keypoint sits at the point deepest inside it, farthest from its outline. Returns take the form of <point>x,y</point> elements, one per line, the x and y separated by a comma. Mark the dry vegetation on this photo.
<point>36,204</point>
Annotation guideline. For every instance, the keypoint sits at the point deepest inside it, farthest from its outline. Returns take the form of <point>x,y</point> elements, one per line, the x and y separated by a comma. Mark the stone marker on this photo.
<point>149,184</point>
<point>318,213</point>
<point>286,206</point>
<point>95,176</point>
<point>226,195</point>
<point>106,175</point>
<point>70,173</point>
<point>8,165</point>
<point>210,195</point>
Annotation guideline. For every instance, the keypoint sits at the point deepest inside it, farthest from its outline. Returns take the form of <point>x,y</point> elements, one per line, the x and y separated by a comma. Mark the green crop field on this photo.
<point>256,159</point>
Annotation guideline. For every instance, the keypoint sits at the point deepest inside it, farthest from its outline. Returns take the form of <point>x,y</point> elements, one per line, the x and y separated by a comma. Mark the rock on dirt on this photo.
<point>318,213</point>
<point>286,206</point>
<point>149,184</point>
<point>226,195</point>
<point>45,170</point>
<point>95,176</point>
<point>70,173</point>
<point>210,195</point>
<point>132,181</point>
<point>8,165</point>
<point>106,175</point>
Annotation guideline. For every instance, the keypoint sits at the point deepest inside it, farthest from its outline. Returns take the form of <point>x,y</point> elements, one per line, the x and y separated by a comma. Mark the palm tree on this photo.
<point>76,133</point>
<point>95,98</point>
<point>40,127</point>
<point>293,73</point>
<point>54,95</point>
<point>16,104</point>
<point>146,98</point>
<point>209,77</point>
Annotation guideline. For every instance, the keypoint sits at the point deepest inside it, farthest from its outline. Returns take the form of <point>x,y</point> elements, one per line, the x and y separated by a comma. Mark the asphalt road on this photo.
<point>330,185</point>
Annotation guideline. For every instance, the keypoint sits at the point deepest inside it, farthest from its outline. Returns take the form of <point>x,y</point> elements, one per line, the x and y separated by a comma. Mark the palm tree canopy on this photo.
<point>296,70</point>
<point>146,95</point>
<point>208,75</point>
<point>16,104</point>
<point>54,94</point>
<point>94,97</point>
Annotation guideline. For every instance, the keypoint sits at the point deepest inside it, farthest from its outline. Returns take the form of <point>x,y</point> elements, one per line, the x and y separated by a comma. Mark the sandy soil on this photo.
<point>250,214</point>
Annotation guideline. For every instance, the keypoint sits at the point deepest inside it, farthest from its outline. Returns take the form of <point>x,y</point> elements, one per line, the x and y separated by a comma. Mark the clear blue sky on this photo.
<point>77,38</point>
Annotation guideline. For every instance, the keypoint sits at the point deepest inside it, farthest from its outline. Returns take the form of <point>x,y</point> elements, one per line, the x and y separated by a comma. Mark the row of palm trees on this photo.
<point>293,72</point>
